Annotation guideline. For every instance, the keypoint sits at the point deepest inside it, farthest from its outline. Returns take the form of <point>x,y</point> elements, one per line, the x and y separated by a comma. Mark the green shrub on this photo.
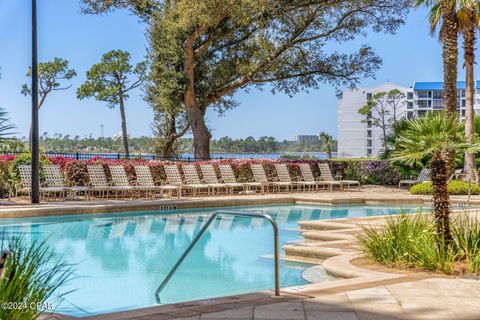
<point>21,160</point>
<point>466,232</point>
<point>32,275</point>
<point>411,241</point>
<point>455,187</point>
<point>5,180</point>
<point>422,188</point>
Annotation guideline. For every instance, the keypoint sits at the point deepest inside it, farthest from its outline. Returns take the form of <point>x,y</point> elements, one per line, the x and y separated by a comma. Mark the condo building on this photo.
<point>359,138</point>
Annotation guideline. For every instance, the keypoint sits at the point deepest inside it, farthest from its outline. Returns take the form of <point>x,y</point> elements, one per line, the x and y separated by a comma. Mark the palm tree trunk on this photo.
<point>441,199</point>
<point>470,167</point>
<point>449,37</point>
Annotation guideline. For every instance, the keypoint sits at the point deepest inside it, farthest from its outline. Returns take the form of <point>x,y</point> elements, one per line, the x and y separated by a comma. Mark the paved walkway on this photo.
<point>436,298</point>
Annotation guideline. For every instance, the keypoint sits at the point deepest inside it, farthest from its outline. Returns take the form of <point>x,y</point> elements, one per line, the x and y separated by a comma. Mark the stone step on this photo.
<point>325,236</point>
<point>311,251</point>
<point>325,225</point>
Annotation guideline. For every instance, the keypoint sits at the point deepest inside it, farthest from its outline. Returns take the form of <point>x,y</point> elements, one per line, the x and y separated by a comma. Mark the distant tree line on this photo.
<point>66,143</point>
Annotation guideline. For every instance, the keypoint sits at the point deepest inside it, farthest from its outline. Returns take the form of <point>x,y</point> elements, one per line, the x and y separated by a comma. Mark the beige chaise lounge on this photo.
<point>55,178</point>
<point>327,177</point>
<point>228,176</point>
<point>423,176</point>
<point>307,175</point>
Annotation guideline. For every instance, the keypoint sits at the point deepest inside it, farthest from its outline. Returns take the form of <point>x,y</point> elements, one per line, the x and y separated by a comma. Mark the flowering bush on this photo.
<point>378,172</point>
<point>365,171</point>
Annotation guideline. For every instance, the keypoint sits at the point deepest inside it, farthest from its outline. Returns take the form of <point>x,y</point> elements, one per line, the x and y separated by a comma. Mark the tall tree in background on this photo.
<point>164,88</point>
<point>110,81</point>
<point>228,45</point>
<point>384,109</point>
<point>328,143</point>
<point>52,76</point>
<point>378,112</point>
<point>396,100</point>
<point>468,17</point>
<point>444,12</point>
<point>457,16</point>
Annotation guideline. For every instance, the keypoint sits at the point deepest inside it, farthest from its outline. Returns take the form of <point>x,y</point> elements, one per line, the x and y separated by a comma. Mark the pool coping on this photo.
<point>74,208</point>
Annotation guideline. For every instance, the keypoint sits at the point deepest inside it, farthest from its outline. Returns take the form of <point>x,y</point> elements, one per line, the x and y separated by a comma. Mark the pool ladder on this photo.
<point>202,231</point>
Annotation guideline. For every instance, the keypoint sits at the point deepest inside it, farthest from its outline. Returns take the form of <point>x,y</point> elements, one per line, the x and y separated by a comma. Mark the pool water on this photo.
<point>122,258</point>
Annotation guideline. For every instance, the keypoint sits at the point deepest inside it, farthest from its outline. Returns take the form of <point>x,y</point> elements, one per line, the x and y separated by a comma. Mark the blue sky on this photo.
<point>64,32</point>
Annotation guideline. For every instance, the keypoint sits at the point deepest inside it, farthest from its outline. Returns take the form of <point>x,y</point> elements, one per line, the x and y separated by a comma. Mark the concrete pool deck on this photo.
<point>361,293</point>
<point>366,195</point>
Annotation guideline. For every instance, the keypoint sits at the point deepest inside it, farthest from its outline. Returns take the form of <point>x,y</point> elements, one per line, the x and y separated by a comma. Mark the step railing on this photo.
<point>204,229</point>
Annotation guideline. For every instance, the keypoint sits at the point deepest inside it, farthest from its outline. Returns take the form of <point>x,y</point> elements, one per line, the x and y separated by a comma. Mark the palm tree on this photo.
<point>430,137</point>
<point>327,143</point>
<point>444,12</point>
<point>468,17</point>
<point>5,126</point>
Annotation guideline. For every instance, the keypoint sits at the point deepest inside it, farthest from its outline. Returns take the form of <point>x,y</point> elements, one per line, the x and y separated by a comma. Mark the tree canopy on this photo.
<point>110,81</point>
<point>226,45</point>
<point>51,77</point>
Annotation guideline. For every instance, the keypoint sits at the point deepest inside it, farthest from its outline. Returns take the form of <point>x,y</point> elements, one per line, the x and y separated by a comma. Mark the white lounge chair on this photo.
<point>210,177</point>
<point>327,177</point>
<point>54,178</point>
<point>25,185</point>
<point>260,176</point>
<point>193,180</point>
<point>229,178</point>
<point>284,178</point>
<point>145,180</point>
<point>308,177</point>
<point>423,176</point>
<point>98,181</point>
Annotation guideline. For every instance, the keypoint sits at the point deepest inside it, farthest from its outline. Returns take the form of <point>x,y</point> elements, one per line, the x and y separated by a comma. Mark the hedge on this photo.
<point>454,187</point>
<point>366,171</point>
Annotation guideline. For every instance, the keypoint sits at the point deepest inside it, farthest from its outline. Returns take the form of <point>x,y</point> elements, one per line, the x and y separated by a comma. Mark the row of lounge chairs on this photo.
<point>176,185</point>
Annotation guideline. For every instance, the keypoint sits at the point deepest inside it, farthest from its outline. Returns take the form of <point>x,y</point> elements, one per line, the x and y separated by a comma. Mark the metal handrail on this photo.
<point>202,231</point>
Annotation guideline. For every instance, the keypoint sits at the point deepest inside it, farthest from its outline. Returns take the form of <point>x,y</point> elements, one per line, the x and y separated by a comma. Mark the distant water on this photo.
<point>319,155</point>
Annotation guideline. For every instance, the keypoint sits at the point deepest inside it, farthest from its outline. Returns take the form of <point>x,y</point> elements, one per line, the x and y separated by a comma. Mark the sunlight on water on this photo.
<point>122,258</point>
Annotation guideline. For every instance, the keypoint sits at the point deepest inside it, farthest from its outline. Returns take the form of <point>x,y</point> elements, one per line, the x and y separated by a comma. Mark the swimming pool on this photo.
<point>122,258</point>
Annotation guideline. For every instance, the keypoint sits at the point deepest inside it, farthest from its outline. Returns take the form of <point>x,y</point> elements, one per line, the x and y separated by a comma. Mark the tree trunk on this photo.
<point>470,167</point>
<point>124,126</point>
<point>171,136</point>
<point>441,199</point>
<point>201,134</point>
<point>449,37</point>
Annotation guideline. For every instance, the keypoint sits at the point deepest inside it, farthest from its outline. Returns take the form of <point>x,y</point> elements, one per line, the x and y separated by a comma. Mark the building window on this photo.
<point>464,103</point>
<point>369,143</point>
<point>421,113</point>
<point>437,104</point>
<point>369,152</point>
<point>410,95</point>
<point>424,94</point>
<point>423,103</point>
<point>410,115</point>
<point>409,105</point>
<point>463,113</point>
<point>369,133</point>
<point>369,96</point>
<point>369,124</point>
<point>437,94</point>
